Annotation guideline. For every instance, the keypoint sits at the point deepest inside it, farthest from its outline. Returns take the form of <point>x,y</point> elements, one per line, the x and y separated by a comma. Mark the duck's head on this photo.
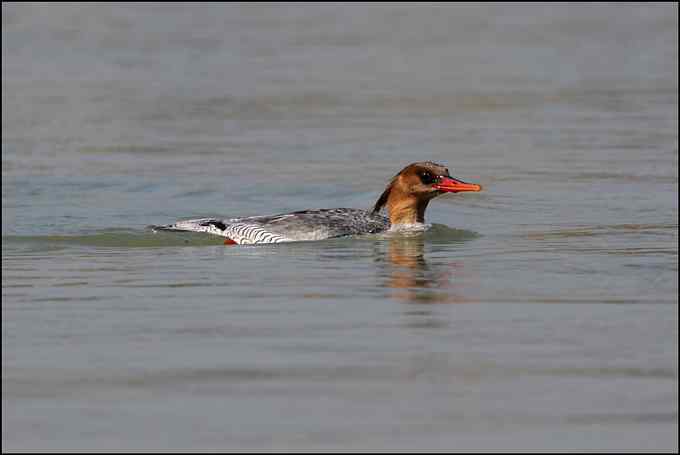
<point>408,193</point>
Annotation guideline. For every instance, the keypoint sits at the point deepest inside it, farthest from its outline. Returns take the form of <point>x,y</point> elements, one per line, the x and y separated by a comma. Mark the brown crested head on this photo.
<point>408,193</point>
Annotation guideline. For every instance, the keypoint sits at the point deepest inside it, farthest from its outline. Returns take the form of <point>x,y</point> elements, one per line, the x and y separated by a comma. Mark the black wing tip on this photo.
<point>218,224</point>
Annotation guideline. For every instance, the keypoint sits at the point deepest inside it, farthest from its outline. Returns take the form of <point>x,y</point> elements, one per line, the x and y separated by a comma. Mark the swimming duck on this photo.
<point>405,199</point>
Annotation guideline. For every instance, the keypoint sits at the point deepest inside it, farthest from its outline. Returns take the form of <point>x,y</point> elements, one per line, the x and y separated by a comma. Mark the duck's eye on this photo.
<point>427,178</point>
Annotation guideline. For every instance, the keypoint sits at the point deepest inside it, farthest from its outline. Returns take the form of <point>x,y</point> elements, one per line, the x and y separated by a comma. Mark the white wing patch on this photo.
<point>244,234</point>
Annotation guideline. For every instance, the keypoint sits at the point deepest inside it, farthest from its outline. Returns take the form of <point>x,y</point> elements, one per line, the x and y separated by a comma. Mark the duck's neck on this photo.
<point>405,208</point>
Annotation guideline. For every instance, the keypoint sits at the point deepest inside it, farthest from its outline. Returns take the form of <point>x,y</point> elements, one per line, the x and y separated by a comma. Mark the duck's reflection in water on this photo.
<point>409,277</point>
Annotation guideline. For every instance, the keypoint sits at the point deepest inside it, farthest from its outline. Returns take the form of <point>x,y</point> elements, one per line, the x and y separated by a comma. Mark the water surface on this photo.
<point>539,314</point>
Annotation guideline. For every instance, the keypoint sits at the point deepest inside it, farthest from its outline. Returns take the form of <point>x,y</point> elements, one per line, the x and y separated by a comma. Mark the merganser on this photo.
<point>405,197</point>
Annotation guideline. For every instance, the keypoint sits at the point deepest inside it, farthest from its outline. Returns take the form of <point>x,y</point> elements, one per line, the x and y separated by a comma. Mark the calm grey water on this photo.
<point>540,314</point>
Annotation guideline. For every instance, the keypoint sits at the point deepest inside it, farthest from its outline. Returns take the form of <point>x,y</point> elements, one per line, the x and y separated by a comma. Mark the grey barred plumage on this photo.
<point>288,227</point>
<point>243,234</point>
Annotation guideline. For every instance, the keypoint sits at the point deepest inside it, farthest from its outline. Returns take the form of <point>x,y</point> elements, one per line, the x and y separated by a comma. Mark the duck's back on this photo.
<point>317,224</point>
